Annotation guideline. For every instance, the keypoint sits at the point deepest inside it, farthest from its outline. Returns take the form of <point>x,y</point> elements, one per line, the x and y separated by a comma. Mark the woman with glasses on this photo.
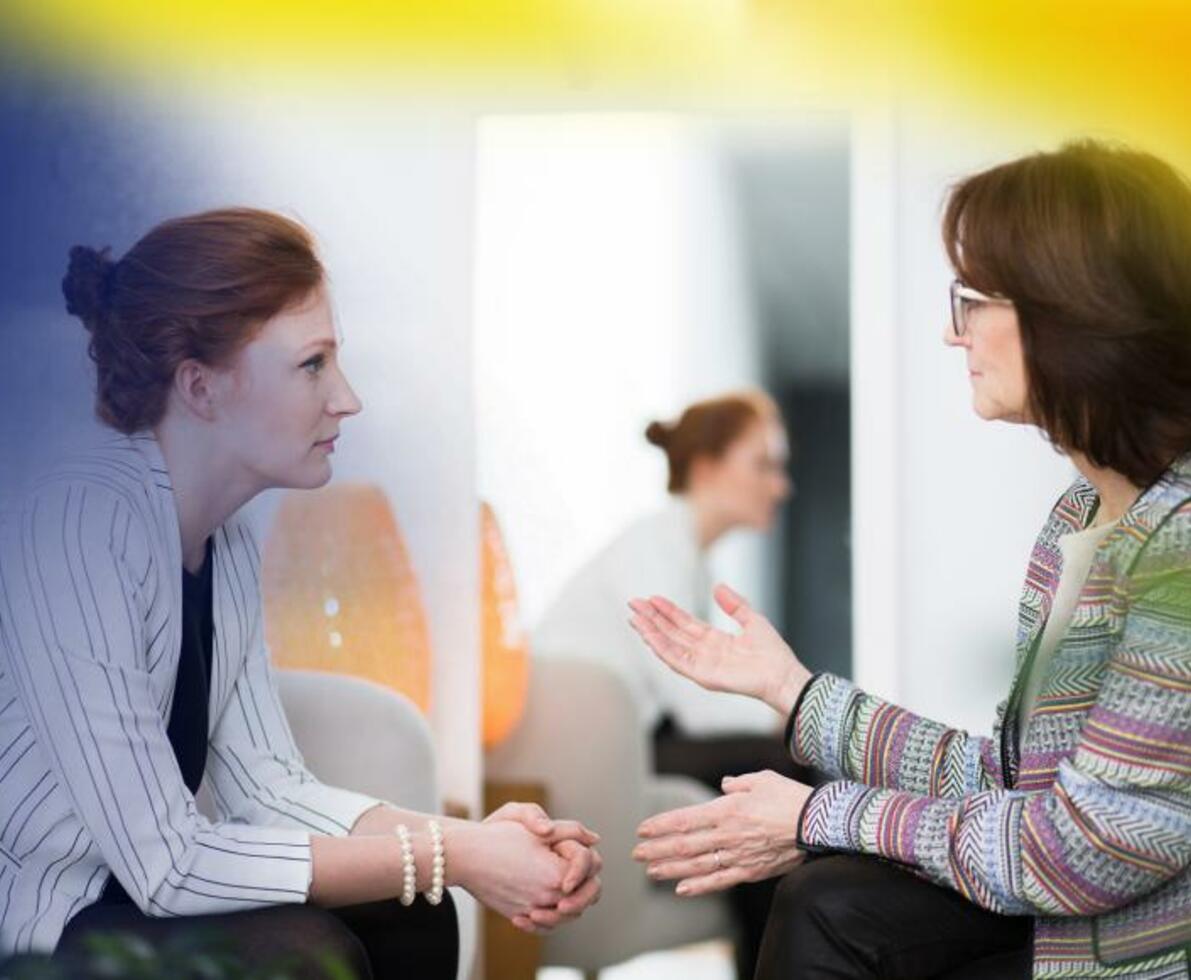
<point>1061,845</point>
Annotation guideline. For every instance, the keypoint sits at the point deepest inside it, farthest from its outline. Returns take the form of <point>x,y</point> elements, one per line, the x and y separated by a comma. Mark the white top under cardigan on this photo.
<point>658,554</point>
<point>1078,550</point>
<point>90,634</point>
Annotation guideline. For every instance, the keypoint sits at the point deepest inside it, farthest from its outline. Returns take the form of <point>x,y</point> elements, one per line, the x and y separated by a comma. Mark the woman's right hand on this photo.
<point>517,873</point>
<point>756,661</point>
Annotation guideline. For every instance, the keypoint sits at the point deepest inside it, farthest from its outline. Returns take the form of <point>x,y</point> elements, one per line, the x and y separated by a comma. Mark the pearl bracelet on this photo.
<point>439,865</point>
<point>409,871</point>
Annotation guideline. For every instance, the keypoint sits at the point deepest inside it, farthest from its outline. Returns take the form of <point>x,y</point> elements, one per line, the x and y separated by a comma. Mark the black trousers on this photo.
<point>709,759</point>
<point>373,941</point>
<point>851,916</point>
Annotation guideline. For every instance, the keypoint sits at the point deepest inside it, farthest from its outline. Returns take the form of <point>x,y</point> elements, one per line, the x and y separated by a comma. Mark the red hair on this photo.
<point>707,429</point>
<point>198,287</point>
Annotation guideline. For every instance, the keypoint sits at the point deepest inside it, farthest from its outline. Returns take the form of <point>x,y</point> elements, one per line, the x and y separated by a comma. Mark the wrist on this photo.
<point>458,847</point>
<point>787,687</point>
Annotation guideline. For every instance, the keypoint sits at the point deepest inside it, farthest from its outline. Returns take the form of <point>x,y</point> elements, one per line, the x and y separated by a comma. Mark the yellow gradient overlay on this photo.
<point>1122,64</point>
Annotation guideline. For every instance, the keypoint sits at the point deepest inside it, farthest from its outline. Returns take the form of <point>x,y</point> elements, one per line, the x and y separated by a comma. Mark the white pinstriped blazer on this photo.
<point>90,634</point>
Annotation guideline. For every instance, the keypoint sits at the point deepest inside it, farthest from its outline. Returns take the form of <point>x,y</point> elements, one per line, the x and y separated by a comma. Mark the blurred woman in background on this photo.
<point>727,461</point>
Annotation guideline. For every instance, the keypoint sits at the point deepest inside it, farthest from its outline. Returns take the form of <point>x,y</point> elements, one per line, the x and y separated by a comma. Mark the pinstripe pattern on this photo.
<point>1088,826</point>
<point>90,635</point>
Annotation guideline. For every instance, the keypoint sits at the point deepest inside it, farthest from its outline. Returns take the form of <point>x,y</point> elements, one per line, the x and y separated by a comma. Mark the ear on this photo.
<point>195,387</point>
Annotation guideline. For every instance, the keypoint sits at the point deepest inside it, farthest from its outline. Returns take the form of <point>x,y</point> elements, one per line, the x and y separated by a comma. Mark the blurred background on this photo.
<point>548,224</point>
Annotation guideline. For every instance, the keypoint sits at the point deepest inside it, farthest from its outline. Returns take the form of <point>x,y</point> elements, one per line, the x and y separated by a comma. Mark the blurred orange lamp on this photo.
<point>340,593</point>
<point>504,644</point>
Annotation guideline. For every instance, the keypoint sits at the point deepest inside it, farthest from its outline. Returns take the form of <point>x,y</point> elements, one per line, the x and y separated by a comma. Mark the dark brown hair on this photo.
<point>707,429</point>
<point>194,287</point>
<point>1092,243</point>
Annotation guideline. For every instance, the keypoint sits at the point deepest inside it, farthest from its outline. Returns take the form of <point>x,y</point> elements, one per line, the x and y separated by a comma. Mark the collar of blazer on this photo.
<point>1121,548</point>
<point>164,507</point>
<point>1115,560</point>
<point>235,573</point>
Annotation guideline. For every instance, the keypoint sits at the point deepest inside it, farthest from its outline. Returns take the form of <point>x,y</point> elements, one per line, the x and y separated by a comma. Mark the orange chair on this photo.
<point>340,594</point>
<point>504,645</point>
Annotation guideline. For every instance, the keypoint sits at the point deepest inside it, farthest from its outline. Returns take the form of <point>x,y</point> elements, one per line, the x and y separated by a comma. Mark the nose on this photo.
<point>344,401</point>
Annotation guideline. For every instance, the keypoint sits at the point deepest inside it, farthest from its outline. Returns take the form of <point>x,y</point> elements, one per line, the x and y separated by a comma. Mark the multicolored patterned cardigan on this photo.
<point>1088,826</point>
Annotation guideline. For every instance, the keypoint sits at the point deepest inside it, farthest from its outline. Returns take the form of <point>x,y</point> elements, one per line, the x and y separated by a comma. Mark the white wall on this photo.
<point>945,506</point>
<point>608,292</point>
<point>388,192</point>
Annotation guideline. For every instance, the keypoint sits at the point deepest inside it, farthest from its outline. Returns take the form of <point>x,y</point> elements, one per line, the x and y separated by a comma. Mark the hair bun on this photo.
<point>87,283</point>
<point>658,433</point>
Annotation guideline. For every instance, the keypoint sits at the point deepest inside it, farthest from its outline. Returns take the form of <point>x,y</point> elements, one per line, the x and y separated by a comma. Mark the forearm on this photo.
<point>848,734</point>
<point>1079,849</point>
<point>384,818</point>
<point>366,865</point>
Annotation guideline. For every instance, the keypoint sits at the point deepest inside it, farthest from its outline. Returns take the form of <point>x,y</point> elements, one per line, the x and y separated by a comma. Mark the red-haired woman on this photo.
<point>1062,845</point>
<point>134,665</point>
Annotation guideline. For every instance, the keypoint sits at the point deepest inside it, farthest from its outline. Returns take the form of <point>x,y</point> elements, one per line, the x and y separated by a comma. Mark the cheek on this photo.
<point>270,414</point>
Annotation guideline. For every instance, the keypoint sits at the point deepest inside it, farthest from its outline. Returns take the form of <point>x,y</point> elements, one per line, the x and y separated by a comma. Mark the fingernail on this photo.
<point>683,889</point>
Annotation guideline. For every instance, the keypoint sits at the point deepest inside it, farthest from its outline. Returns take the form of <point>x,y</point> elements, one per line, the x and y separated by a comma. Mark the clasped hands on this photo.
<point>538,872</point>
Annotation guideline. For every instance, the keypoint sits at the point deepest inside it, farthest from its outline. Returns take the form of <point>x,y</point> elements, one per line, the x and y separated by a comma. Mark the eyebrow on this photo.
<point>322,343</point>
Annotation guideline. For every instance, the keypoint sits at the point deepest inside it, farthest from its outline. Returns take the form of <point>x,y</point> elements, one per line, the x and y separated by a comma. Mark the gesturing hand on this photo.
<point>756,661</point>
<point>748,834</point>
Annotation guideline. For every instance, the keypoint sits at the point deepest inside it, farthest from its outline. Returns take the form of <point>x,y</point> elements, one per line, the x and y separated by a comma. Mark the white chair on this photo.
<point>365,737</point>
<point>580,738</point>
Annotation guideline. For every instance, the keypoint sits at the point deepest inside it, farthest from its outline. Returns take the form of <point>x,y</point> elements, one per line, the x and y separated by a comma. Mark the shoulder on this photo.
<point>1168,547</point>
<point>1165,520</point>
<point>92,501</point>
<point>110,471</point>
<point>667,528</point>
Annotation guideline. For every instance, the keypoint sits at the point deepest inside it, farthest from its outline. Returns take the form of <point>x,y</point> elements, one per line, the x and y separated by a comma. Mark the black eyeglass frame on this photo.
<point>964,298</point>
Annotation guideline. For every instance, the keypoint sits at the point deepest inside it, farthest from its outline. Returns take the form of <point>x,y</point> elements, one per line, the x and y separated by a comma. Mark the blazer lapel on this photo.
<point>1073,512</point>
<point>228,629</point>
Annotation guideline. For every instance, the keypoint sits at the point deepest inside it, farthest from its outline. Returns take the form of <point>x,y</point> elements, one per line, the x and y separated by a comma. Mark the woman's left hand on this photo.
<point>574,843</point>
<point>748,834</point>
<point>535,819</point>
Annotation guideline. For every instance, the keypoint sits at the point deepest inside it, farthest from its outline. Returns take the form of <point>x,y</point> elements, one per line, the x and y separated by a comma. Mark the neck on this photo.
<point>1116,492</point>
<point>208,487</point>
<point>710,524</point>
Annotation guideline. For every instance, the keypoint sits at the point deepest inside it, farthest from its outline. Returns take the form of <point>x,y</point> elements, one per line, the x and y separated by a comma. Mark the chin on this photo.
<point>988,411</point>
<point>762,524</point>
<point>310,477</point>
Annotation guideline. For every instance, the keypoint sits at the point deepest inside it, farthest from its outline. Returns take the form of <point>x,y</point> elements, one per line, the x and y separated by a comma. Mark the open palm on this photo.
<point>756,661</point>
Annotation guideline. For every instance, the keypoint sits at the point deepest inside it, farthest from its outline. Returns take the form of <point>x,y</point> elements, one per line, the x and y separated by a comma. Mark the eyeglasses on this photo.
<point>964,299</point>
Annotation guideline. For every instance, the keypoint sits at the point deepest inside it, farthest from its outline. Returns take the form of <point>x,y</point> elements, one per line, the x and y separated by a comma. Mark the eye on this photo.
<point>313,365</point>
